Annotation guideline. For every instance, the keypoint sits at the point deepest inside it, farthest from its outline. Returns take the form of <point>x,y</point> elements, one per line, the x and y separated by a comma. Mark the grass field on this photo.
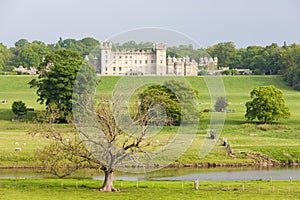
<point>40,189</point>
<point>281,140</point>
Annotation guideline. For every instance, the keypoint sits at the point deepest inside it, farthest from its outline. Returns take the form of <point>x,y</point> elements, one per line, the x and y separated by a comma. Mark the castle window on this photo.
<point>126,62</point>
<point>146,61</point>
<point>160,61</point>
<point>106,52</point>
<point>114,62</point>
<point>120,56</point>
<point>130,56</point>
<point>152,61</point>
<point>114,68</point>
<point>114,57</point>
<point>140,62</point>
<point>105,61</point>
<point>105,68</point>
<point>125,56</point>
<point>135,62</point>
<point>120,68</point>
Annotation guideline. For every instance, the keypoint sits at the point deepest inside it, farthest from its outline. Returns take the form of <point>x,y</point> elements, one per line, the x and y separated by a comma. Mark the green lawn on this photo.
<point>40,189</point>
<point>281,140</point>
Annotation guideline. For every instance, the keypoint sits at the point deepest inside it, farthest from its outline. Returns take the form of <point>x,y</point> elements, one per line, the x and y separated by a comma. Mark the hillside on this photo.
<point>279,141</point>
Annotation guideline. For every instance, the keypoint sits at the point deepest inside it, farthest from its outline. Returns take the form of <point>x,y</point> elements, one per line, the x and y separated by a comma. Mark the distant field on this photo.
<point>280,140</point>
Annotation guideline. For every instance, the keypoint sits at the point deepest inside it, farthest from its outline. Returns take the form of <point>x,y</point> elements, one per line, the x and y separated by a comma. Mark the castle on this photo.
<point>147,62</point>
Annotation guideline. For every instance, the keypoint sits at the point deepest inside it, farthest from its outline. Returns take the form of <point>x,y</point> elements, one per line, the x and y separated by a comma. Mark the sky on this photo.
<point>208,22</point>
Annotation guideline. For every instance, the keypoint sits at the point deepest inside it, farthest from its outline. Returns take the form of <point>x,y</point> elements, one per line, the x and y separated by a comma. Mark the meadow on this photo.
<point>280,140</point>
<point>40,189</point>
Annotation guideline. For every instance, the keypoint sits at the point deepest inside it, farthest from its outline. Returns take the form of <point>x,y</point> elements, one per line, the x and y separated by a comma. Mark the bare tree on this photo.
<point>104,142</point>
<point>117,140</point>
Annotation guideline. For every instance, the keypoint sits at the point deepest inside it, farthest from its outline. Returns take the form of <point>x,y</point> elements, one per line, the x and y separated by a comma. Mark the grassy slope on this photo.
<point>280,141</point>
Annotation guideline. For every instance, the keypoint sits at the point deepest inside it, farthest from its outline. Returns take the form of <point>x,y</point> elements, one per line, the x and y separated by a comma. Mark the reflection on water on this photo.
<point>174,174</point>
<point>247,174</point>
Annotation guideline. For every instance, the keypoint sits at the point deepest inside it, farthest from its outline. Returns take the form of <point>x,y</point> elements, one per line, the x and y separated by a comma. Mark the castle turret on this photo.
<point>105,57</point>
<point>216,60</point>
<point>161,53</point>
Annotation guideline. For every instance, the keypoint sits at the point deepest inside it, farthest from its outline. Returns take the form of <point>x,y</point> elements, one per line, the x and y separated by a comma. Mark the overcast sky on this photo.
<point>245,22</point>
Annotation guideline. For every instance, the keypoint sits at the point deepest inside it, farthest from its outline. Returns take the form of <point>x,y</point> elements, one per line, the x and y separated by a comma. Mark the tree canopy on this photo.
<point>83,46</point>
<point>267,105</point>
<point>225,52</point>
<point>56,80</point>
<point>221,104</point>
<point>31,55</point>
<point>291,58</point>
<point>160,95</point>
<point>19,108</point>
<point>5,57</point>
<point>21,42</point>
<point>174,97</point>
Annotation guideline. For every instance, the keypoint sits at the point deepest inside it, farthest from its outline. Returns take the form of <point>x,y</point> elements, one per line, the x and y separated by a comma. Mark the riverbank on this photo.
<point>191,165</point>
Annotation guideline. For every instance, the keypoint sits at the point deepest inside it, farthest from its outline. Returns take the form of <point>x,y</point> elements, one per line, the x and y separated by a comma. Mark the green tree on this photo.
<point>292,77</point>
<point>89,44</point>
<point>31,55</point>
<point>225,51</point>
<point>258,64</point>
<point>238,59</point>
<point>56,80</point>
<point>19,108</point>
<point>250,52</point>
<point>186,50</point>
<point>274,53</point>
<point>164,97</point>
<point>175,97</point>
<point>21,43</point>
<point>267,104</point>
<point>221,104</point>
<point>291,65</point>
<point>83,46</point>
<point>5,57</point>
<point>290,56</point>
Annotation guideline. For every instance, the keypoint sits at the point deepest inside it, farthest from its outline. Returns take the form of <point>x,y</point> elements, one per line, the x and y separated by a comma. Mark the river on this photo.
<point>178,174</point>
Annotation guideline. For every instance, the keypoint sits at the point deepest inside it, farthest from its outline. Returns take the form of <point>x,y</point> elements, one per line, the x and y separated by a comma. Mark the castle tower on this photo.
<point>161,54</point>
<point>216,61</point>
<point>105,57</point>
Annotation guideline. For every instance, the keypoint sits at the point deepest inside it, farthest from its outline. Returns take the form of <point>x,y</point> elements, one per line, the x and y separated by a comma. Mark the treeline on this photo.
<point>31,54</point>
<point>269,60</point>
<point>272,59</point>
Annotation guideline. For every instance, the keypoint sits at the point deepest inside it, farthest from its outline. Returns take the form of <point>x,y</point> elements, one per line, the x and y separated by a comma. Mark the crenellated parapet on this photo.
<point>106,45</point>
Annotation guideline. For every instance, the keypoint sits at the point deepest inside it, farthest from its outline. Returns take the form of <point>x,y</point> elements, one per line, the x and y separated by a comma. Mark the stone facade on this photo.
<point>210,62</point>
<point>143,62</point>
<point>182,66</point>
<point>31,71</point>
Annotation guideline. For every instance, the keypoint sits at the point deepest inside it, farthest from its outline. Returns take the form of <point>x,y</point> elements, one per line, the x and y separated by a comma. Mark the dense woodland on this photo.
<point>272,59</point>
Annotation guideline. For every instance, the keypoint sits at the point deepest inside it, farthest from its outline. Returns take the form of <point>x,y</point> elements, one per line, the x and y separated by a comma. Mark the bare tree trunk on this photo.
<point>108,181</point>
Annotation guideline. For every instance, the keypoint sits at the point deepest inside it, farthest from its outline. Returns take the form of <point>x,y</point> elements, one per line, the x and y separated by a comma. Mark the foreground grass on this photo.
<point>40,189</point>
